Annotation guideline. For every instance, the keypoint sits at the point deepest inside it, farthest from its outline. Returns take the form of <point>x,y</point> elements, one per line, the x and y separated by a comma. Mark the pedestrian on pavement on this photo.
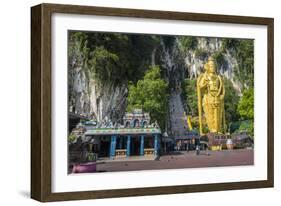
<point>197,150</point>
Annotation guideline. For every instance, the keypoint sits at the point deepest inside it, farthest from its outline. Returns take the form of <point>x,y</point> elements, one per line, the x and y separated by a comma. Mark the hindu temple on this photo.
<point>137,136</point>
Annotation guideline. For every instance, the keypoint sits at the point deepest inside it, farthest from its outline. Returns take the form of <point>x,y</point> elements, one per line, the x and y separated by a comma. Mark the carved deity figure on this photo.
<point>210,92</point>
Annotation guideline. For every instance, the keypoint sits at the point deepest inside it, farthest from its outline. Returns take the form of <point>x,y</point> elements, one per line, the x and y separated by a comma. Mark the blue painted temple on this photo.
<point>137,136</point>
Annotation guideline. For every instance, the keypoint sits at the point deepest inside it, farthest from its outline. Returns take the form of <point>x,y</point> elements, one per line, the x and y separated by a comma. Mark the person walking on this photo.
<point>197,150</point>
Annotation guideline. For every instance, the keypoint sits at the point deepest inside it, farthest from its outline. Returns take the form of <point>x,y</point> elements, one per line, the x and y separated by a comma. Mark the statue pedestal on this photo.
<point>217,141</point>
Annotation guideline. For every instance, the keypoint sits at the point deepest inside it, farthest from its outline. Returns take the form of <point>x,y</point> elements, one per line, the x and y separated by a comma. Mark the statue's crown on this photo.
<point>210,59</point>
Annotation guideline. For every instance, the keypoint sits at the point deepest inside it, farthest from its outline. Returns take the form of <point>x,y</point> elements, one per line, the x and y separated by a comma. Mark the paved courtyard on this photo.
<point>183,160</point>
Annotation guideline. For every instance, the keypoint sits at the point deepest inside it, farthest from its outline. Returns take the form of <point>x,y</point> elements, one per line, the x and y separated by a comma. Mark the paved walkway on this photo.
<point>127,159</point>
<point>184,160</point>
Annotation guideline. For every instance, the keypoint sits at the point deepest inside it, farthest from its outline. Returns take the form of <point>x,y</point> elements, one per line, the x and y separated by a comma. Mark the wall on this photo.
<point>15,101</point>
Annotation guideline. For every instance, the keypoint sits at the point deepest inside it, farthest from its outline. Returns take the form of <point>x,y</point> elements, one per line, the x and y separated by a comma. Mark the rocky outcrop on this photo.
<point>107,100</point>
<point>93,99</point>
<point>196,58</point>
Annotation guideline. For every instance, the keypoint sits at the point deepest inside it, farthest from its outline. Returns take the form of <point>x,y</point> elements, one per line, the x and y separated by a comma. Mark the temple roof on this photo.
<point>122,131</point>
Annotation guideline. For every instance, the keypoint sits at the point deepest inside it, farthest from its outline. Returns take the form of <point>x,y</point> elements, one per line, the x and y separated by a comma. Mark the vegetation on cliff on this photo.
<point>136,61</point>
<point>151,95</point>
<point>111,56</point>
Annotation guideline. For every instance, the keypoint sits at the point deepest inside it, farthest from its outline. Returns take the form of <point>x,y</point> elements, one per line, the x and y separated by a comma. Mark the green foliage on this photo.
<point>168,40</point>
<point>243,126</point>
<point>219,58</point>
<point>111,56</point>
<point>122,58</point>
<point>103,63</point>
<point>243,49</point>
<point>72,137</point>
<point>245,57</point>
<point>234,126</point>
<point>248,127</point>
<point>78,50</point>
<point>231,100</point>
<point>246,111</point>
<point>205,129</point>
<point>246,104</point>
<point>188,42</point>
<point>91,157</point>
<point>190,96</point>
<point>229,44</point>
<point>150,94</point>
<point>201,53</point>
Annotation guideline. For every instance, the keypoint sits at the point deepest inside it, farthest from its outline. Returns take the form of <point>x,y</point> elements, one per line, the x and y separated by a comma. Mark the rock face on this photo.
<point>88,97</point>
<point>194,62</point>
<point>172,61</point>
<point>179,64</point>
<point>79,91</point>
<point>108,101</point>
<point>101,100</point>
<point>91,98</point>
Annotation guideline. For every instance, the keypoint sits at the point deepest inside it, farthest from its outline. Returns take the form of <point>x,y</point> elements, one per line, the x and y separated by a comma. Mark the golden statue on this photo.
<point>210,92</point>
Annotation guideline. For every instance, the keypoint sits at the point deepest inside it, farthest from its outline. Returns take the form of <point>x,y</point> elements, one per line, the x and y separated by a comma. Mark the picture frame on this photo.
<point>41,101</point>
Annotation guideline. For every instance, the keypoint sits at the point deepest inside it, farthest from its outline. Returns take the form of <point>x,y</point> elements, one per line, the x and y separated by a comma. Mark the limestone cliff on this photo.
<point>91,97</point>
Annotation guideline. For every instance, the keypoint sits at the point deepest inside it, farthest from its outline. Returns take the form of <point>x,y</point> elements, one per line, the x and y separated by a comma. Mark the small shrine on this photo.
<point>136,119</point>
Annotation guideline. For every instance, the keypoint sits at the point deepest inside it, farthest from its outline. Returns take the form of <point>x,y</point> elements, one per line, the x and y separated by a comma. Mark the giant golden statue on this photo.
<point>210,92</point>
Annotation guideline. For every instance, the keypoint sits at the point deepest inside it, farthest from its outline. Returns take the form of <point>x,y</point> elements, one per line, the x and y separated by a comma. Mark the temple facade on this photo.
<point>135,137</point>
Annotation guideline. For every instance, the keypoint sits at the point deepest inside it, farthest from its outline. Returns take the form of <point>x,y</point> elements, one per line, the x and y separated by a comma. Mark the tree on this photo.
<point>231,100</point>
<point>247,126</point>
<point>114,57</point>
<point>245,57</point>
<point>188,42</point>
<point>243,49</point>
<point>246,110</point>
<point>103,63</point>
<point>246,104</point>
<point>191,96</point>
<point>78,50</point>
<point>219,58</point>
<point>150,95</point>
